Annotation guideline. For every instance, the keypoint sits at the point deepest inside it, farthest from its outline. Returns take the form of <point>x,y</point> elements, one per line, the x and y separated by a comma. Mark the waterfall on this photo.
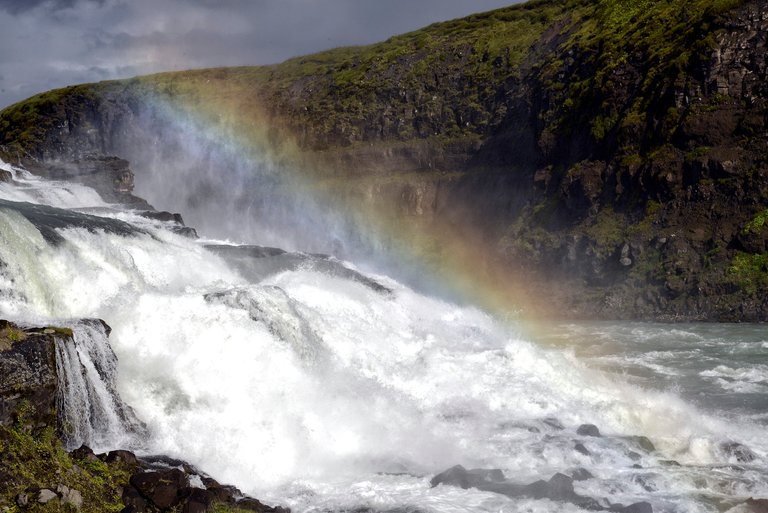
<point>307,382</point>
<point>89,407</point>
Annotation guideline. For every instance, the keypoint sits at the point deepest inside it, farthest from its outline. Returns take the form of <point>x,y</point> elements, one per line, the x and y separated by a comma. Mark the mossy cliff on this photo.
<point>612,152</point>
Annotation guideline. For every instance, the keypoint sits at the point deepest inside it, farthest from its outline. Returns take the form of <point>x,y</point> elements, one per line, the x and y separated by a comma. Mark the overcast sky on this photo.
<point>52,43</point>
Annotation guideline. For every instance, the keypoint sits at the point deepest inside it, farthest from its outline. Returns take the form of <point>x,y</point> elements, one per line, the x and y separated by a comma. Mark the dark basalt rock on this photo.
<point>108,175</point>
<point>28,374</point>
<point>638,507</point>
<point>49,219</point>
<point>163,216</point>
<point>580,448</point>
<point>257,262</point>
<point>642,442</point>
<point>756,505</point>
<point>186,231</point>
<point>588,430</point>
<point>739,452</point>
<point>558,488</point>
<point>581,474</point>
<point>163,488</point>
<point>463,478</point>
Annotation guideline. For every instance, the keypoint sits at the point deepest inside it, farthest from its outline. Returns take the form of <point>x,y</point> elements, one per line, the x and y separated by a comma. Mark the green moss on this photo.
<point>38,460</point>
<point>757,224</point>
<point>608,229</point>
<point>699,151</point>
<point>750,271</point>
<point>67,332</point>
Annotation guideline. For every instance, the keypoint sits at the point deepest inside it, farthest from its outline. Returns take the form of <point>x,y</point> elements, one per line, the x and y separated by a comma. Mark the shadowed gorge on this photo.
<point>612,154</point>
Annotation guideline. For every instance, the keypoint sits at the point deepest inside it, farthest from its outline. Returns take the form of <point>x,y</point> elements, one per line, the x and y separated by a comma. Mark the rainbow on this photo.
<point>447,256</point>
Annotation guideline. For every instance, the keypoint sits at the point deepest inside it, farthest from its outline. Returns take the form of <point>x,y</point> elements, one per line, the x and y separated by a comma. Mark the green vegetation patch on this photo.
<point>757,224</point>
<point>750,271</point>
<point>33,461</point>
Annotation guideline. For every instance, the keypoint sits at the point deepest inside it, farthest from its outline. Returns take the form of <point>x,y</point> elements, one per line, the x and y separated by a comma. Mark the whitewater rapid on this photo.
<point>324,388</point>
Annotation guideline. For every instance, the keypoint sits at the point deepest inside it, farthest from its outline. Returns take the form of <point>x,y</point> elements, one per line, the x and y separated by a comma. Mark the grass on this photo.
<point>30,461</point>
<point>449,79</point>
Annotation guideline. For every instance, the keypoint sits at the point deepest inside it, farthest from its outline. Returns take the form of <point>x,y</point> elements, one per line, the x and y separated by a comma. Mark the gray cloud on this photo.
<point>53,43</point>
<point>17,6</point>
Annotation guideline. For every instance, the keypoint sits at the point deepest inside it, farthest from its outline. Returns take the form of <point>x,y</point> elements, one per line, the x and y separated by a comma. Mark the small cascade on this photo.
<point>90,409</point>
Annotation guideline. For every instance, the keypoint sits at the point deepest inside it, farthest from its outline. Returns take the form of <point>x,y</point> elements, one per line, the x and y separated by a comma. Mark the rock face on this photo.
<point>610,157</point>
<point>28,374</point>
<point>110,176</point>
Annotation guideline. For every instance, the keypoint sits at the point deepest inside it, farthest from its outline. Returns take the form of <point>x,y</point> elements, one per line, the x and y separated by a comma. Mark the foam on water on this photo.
<point>325,393</point>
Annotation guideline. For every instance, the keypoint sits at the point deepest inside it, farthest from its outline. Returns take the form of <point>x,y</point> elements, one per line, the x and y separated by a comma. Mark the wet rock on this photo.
<point>756,505</point>
<point>6,176</point>
<point>737,451</point>
<point>197,501</point>
<point>257,262</point>
<point>588,430</point>
<point>463,478</point>
<point>558,488</point>
<point>254,505</point>
<point>581,449</point>
<point>186,231</point>
<point>637,507</point>
<point>109,175</point>
<point>581,474</point>
<point>133,499</point>
<point>162,488</point>
<point>553,423</point>
<point>121,457</point>
<point>45,496</point>
<point>642,442</point>
<point>163,216</point>
<point>83,453</point>
<point>634,456</point>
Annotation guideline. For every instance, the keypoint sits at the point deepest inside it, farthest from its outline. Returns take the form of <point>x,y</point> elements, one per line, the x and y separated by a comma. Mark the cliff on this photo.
<point>611,154</point>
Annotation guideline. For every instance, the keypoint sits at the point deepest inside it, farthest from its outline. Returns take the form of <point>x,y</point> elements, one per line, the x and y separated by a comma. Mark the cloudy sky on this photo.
<point>52,43</point>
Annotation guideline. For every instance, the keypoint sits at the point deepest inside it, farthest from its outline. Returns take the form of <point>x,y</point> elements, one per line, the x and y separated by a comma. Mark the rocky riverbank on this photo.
<point>37,473</point>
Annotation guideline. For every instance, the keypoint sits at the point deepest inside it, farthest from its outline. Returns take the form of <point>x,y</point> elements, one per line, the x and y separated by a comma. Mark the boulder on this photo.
<point>588,430</point>
<point>737,451</point>
<point>463,478</point>
<point>581,449</point>
<point>45,496</point>
<point>70,496</point>
<point>162,488</point>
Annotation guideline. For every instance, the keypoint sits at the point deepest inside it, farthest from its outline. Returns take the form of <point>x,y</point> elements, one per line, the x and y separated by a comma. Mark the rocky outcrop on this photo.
<point>28,379</point>
<point>110,176</point>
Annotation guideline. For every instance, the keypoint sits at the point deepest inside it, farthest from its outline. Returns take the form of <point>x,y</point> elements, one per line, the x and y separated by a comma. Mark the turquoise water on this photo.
<point>720,368</point>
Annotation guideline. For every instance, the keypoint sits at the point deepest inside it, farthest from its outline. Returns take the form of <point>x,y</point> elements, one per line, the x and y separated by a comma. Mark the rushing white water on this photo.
<point>328,390</point>
<point>91,412</point>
